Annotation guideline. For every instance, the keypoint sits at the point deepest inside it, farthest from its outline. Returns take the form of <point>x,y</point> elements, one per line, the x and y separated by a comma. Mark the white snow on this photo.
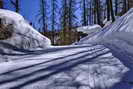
<point>116,36</point>
<point>107,23</point>
<point>23,35</point>
<point>100,61</point>
<point>91,29</point>
<point>82,66</point>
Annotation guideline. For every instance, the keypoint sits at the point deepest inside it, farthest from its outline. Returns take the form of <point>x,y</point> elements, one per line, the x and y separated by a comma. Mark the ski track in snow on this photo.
<point>27,74</point>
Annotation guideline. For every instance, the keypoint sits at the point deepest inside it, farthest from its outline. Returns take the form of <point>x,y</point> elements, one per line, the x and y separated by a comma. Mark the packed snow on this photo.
<point>100,61</point>
<point>77,67</point>
<point>90,30</point>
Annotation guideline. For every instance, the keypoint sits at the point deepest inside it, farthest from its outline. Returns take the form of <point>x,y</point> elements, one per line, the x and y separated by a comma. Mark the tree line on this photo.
<point>59,18</point>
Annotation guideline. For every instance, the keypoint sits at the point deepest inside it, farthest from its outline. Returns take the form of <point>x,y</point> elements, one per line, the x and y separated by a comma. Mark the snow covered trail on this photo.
<point>75,67</point>
<point>28,61</point>
<point>118,37</point>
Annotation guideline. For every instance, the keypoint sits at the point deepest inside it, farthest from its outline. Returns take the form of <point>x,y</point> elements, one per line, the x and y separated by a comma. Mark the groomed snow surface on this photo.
<point>100,61</point>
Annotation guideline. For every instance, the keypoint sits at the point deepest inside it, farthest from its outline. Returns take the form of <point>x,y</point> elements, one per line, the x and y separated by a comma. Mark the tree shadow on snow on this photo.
<point>127,80</point>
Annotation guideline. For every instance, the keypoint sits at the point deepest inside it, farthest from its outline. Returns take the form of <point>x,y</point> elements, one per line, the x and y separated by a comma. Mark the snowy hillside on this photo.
<point>100,61</point>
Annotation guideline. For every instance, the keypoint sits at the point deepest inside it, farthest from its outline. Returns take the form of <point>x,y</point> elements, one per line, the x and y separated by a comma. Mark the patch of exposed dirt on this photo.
<point>6,31</point>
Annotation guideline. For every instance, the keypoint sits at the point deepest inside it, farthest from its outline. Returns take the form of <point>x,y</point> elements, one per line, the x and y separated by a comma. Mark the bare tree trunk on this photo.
<point>95,16</point>
<point>1,3</point>
<point>116,7</point>
<point>64,22</point>
<point>130,4</point>
<point>112,11</point>
<point>124,6</point>
<point>70,20</point>
<point>44,16</point>
<point>53,21</point>
<point>90,9</point>
<point>108,10</point>
<point>16,5</point>
<point>84,13</point>
<point>98,13</point>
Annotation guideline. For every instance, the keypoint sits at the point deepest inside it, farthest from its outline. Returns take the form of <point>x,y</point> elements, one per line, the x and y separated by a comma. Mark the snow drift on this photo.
<point>19,33</point>
<point>117,36</point>
<point>90,29</point>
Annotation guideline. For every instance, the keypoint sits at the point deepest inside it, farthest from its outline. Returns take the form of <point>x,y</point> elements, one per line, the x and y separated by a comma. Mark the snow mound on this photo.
<point>17,32</point>
<point>89,29</point>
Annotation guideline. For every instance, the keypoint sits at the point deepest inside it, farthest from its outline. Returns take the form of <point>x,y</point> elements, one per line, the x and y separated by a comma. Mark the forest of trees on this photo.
<point>59,18</point>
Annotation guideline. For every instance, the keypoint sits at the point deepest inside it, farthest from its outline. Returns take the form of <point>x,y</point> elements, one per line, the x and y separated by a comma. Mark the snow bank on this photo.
<point>22,35</point>
<point>118,35</point>
<point>107,23</point>
<point>89,29</point>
